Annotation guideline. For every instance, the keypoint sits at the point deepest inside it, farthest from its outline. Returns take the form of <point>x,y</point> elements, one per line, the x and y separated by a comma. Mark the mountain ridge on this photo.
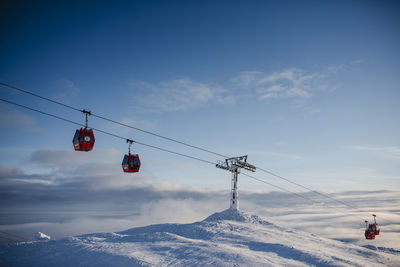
<point>226,238</point>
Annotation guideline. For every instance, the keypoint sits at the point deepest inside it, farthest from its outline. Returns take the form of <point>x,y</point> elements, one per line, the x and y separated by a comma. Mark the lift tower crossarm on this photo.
<point>234,165</point>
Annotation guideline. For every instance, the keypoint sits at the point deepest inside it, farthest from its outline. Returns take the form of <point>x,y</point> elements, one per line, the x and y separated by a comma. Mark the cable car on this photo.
<point>375,227</point>
<point>369,234</point>
<point>131,162</point>
<point>84,138</point>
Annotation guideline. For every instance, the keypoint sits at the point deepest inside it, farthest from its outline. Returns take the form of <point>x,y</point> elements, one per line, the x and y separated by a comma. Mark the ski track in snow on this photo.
<point>228,238</point>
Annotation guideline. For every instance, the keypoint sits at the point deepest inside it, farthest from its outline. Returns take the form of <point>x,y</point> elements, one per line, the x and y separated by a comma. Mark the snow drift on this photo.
<point>228,238</point>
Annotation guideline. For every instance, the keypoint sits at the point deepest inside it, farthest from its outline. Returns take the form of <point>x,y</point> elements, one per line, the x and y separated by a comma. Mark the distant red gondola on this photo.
<point>84,138</point>
<point>372,229</point>
<point>368,233</point>
<point>375,227</point>
<point>131,162</point>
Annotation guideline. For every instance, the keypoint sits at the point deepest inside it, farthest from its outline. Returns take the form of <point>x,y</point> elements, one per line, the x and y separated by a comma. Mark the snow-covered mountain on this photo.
<point>228,238</point>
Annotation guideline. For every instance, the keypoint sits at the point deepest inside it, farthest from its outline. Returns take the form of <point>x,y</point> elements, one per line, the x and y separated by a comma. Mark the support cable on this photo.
<point>169,139</point>
<point>39,96</point>
<point>173,140</point>
<point>165,150</point>
<point>140,143</point>
<point>297,194</point>
<point>307,188</point>
<point>321,194</point>
<point>108,133</point>
<point>113,121</point>
<point>160,136</point>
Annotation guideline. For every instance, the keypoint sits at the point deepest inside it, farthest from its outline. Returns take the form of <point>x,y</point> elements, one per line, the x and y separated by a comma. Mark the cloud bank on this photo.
<point>73,199</point>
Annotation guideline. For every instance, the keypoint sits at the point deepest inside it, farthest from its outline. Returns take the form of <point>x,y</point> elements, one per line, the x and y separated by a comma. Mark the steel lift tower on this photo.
<point>234,165</point>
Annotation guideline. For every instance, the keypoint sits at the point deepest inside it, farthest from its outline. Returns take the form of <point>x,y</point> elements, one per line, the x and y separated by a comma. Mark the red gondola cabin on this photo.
<point>374,228</point>
<point>83,140</point>
<point>369,232</point>
<point>131,163</point>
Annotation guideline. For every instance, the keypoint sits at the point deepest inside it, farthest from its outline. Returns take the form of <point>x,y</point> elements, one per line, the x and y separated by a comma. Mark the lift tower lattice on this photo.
<point>234,165</point>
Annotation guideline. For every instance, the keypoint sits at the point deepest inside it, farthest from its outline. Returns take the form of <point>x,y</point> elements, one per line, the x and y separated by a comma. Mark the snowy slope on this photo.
<point>228,238</point>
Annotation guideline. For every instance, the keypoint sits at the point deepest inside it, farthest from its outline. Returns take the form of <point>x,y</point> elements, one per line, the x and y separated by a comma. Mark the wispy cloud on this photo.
<point>388,152</point>
<point>180,94</point>
<point>288,83</point>
<point>185,94</point>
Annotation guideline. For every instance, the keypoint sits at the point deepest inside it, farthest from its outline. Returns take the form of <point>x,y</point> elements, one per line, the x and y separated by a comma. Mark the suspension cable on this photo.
<point>170,139</point>
<point>157,135</point>
<point>307,188</point>
<point>319,193</point>
<point>296,194</point>
<point>108,133</point>
<point>39,96</point>
<point>170,151</point>
<point>113,121</point>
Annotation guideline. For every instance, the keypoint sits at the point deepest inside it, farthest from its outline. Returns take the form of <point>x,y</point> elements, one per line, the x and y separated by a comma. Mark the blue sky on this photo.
<point>308,89</point>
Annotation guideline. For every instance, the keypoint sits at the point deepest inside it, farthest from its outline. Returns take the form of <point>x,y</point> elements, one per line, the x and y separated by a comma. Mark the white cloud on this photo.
<point>289,83</point>
<point>388,152</point>
<point>184,94</point>
<point>332,220</point>
<point>286,210</point>
<point>180,94</point>
<point>180,211</point>
<point>93,195</point>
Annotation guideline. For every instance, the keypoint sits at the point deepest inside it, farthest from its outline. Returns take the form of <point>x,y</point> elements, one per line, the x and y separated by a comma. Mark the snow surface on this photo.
<point>227,238</point>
